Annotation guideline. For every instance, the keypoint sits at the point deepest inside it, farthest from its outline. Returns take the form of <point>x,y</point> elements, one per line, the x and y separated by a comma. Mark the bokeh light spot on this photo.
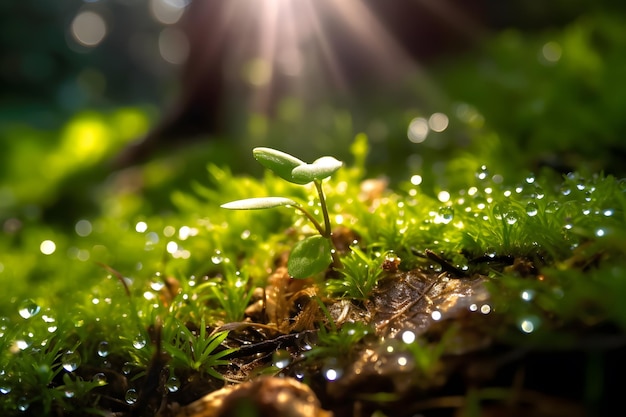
<point>438,122</point>
<point>173,46</point>
<point>88,28</point>
<point>418,130</point>
<point>167,12</point>
<point>47,247</point>
<point>258,72</point>
<point>551,52</point>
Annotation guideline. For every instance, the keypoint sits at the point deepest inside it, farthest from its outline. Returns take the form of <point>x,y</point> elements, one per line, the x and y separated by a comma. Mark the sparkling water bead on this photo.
<point>29,308</point>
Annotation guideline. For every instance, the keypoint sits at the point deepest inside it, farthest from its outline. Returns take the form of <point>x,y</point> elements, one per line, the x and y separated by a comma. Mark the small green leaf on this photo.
<point>309,256</point>
<point>280,163</point>
<point>322,168</point>
<point>259,203</point>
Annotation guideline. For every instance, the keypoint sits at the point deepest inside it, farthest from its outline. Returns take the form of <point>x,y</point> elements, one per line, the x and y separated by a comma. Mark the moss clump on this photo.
<point>176,305</point>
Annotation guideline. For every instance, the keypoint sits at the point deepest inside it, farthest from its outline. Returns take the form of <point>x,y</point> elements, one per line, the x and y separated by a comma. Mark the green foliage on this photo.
<point>339,344</point>
<point>187,267</point>
<point>360,274</point>
<point>196,351</point>
<point>309,256</point>
<point>313,254</point>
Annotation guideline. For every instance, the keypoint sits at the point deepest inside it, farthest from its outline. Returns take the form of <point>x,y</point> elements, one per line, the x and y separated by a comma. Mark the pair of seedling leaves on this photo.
<point>314,253</point>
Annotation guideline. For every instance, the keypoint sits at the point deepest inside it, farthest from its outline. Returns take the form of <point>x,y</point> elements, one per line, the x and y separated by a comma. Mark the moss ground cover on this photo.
<point>473,279</point>
<point>143,314</point>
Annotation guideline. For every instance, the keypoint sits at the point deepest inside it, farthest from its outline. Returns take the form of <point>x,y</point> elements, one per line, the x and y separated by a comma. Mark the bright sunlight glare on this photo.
<point>307,45</point>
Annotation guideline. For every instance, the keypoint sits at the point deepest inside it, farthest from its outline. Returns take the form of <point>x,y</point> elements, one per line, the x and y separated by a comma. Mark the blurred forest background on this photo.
<point>439,87</point>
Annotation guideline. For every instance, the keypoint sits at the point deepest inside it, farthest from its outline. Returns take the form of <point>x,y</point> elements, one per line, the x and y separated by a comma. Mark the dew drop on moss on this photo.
<point>4,388</point>
<point>131,396</point>
<point>22,404</point>
<point>172,384</point>
<point>127,368</point>
<point>29,308</point>
<point>281,358</point>
<point>156,282</point>
<point>139,342</point>
<point>532,209</point>
<point>552,207</point>
<point>103,349</point>
<point>446,215</point>
<point>510,218</point>
<point>405,362</point>
<point>608,212</point>
<point>100,378</point>
<point>482,173</point>
<point>25,340</point>
<point>527,295</point>
<point>331,370</point>
<point>52,323</point>
<point>529,324</point>
<point>70,361</point>
<point>217,257</point>
<point>4,325</point>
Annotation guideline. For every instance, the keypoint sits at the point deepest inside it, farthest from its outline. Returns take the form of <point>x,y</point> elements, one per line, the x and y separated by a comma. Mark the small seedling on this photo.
<point>312,254</point>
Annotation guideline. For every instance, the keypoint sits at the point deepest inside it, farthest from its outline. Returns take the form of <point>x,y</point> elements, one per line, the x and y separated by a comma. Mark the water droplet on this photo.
<point>4,388</point>
<point>4,325</point>
<point>103,349</point>
<point>552,207</point>
<point>436,315</point>
<point>600,232</point>
<point>530,178</point>
<point>608,212</point>
<point>25,340</point>
<point>100,378</point>
<point>446,215</point>
<point>69,393</point>
<point>529,324</point>
<point>528,295</point>
<point>156,282</point>
<point>28,309</point>
<point>22,404</point>
<point>485,309</point>
<point>139,342</point>
<point>131,396</point>
<point>566,190</point>
<point>281,358</point>
<point>172,384</point>
<point>531,209</point>
<point>217,257</point>
<point>482,173</point>
<point>405,362</point>
<point>408,337</point>
<point>70,361</point>
<point>510,217</point>
<point>331,370</point>
<point>127,368</point>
